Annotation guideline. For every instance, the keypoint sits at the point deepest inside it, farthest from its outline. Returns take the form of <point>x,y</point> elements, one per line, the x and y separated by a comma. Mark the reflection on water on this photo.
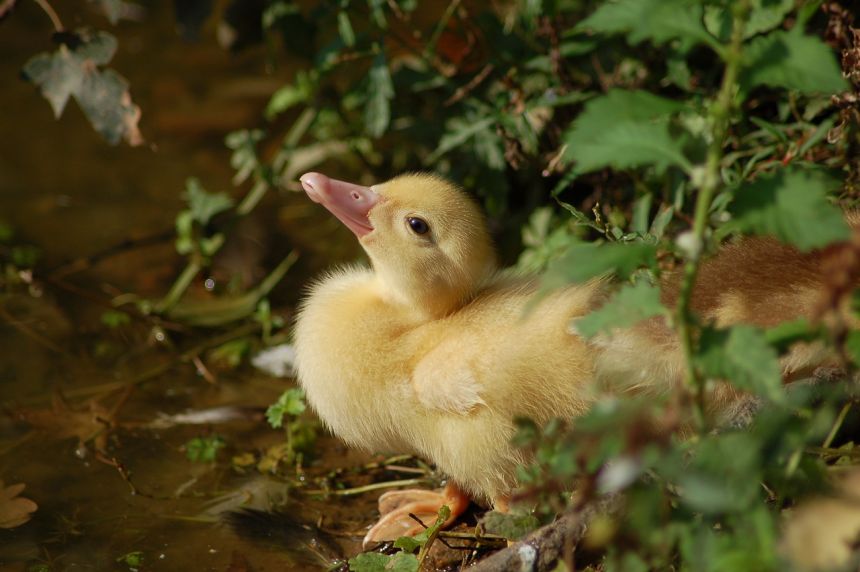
<point>66,379</point>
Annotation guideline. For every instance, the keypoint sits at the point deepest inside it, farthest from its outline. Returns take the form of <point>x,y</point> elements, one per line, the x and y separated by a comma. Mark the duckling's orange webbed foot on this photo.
<point>396,506</point>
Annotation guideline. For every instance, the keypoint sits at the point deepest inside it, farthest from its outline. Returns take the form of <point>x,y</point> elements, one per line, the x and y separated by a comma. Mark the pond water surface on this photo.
<point>86,407</point>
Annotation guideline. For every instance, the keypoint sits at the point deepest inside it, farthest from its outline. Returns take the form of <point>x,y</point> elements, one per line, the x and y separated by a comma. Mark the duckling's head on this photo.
<point>427,240</point>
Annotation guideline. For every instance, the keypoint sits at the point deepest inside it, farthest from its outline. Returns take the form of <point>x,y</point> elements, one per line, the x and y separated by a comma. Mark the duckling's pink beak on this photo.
<point>348,202</point>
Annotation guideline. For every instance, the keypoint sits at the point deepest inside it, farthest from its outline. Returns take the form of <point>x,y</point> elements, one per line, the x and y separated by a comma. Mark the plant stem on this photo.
<point>52,14</point>
<point>367,488</point>
<point>179,287</point>
<point>720,114</point>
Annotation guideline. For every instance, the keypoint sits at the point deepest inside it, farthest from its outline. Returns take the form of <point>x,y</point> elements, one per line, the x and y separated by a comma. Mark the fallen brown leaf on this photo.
<point>14,510</point>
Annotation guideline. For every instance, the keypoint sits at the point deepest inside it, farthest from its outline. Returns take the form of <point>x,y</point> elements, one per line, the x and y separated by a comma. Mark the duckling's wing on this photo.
<point>443,380</point>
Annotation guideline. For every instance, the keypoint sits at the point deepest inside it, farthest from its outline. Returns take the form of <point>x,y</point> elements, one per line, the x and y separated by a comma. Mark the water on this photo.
<point>66,379</point>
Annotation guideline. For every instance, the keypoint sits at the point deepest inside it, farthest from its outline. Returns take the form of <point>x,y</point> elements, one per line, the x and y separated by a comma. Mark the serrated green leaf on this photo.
<point>742,356</point>
<point>625,129</point>
<point>586,260</point>
<point>792,206</point>
<point>655,20</point>
<point>631,304</point>
<point>380,91</point>
<point>764,15</point>
<point>791,60</point>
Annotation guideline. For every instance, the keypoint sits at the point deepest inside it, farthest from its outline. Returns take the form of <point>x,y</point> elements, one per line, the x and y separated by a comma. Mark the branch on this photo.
<point>49,10</point>
<point>541,550</point>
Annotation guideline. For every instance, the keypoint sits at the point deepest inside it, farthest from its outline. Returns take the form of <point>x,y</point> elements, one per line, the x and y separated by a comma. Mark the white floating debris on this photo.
<point>278,361</point>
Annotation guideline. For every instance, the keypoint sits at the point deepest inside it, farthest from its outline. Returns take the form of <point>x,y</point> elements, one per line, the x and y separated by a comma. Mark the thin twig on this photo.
<point>464,90</point>
<point>837,424</point>
<point>49,10</point>
<point>29,332</point>
<point>367,488</point>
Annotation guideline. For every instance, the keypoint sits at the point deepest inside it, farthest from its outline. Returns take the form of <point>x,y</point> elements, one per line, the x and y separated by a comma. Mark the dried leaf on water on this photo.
<point>14,510</point>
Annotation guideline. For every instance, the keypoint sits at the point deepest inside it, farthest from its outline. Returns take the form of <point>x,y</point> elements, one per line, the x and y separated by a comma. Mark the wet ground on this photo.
<point>86,406</point>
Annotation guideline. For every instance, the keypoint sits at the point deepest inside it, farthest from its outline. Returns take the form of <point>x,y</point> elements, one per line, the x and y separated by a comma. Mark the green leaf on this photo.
<point>344,28</point>
<point>291,94</point>
<point>113,9</point>
<point>793,61</point>
<point>765,15</point>
<point>630,305</point>
<point>655,20</point>
<point>102,94</point>
<point>244,158</point>
<point>290,403</point>
<point>792,206</point>
<point>369,562</point>
<point>742,356</point>
<point>852,345</point>
<point>376,562</point>
<point>204,449</point>
<point>586,260</point>
<point>513,525</point>
<point>202,204</point>
<point>625,129</point>
<point>377,112</point>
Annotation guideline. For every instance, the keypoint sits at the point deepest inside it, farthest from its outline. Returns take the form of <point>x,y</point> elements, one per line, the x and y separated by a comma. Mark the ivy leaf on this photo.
<point>625,129</point>
<point>72,71</point>
<point>630,305</point>
<point>792,206</point>
<point>204,205</point>
<point>585,260</point>
<point>742,356</point>
<point>793,61</point>
<point>377,112</point>
<point>655,20</point>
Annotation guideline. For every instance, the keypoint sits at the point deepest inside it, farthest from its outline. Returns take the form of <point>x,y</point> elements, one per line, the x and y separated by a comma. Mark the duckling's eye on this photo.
<point>418,225</point>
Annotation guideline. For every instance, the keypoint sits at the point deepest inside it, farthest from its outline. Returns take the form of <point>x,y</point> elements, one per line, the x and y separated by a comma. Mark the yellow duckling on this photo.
<point>430,352</point>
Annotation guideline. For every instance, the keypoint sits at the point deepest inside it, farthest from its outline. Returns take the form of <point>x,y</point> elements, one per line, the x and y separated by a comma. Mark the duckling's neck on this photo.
<point>429,299</point>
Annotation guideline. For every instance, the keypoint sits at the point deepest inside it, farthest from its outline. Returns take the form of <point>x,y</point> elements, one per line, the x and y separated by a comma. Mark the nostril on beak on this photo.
<point>355,195</point>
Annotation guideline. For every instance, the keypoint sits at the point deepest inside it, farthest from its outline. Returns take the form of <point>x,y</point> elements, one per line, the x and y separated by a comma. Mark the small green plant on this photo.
<point>204,449</point>
<point>300,434</point>
<point>405,559</point>
<point>134,560</point>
